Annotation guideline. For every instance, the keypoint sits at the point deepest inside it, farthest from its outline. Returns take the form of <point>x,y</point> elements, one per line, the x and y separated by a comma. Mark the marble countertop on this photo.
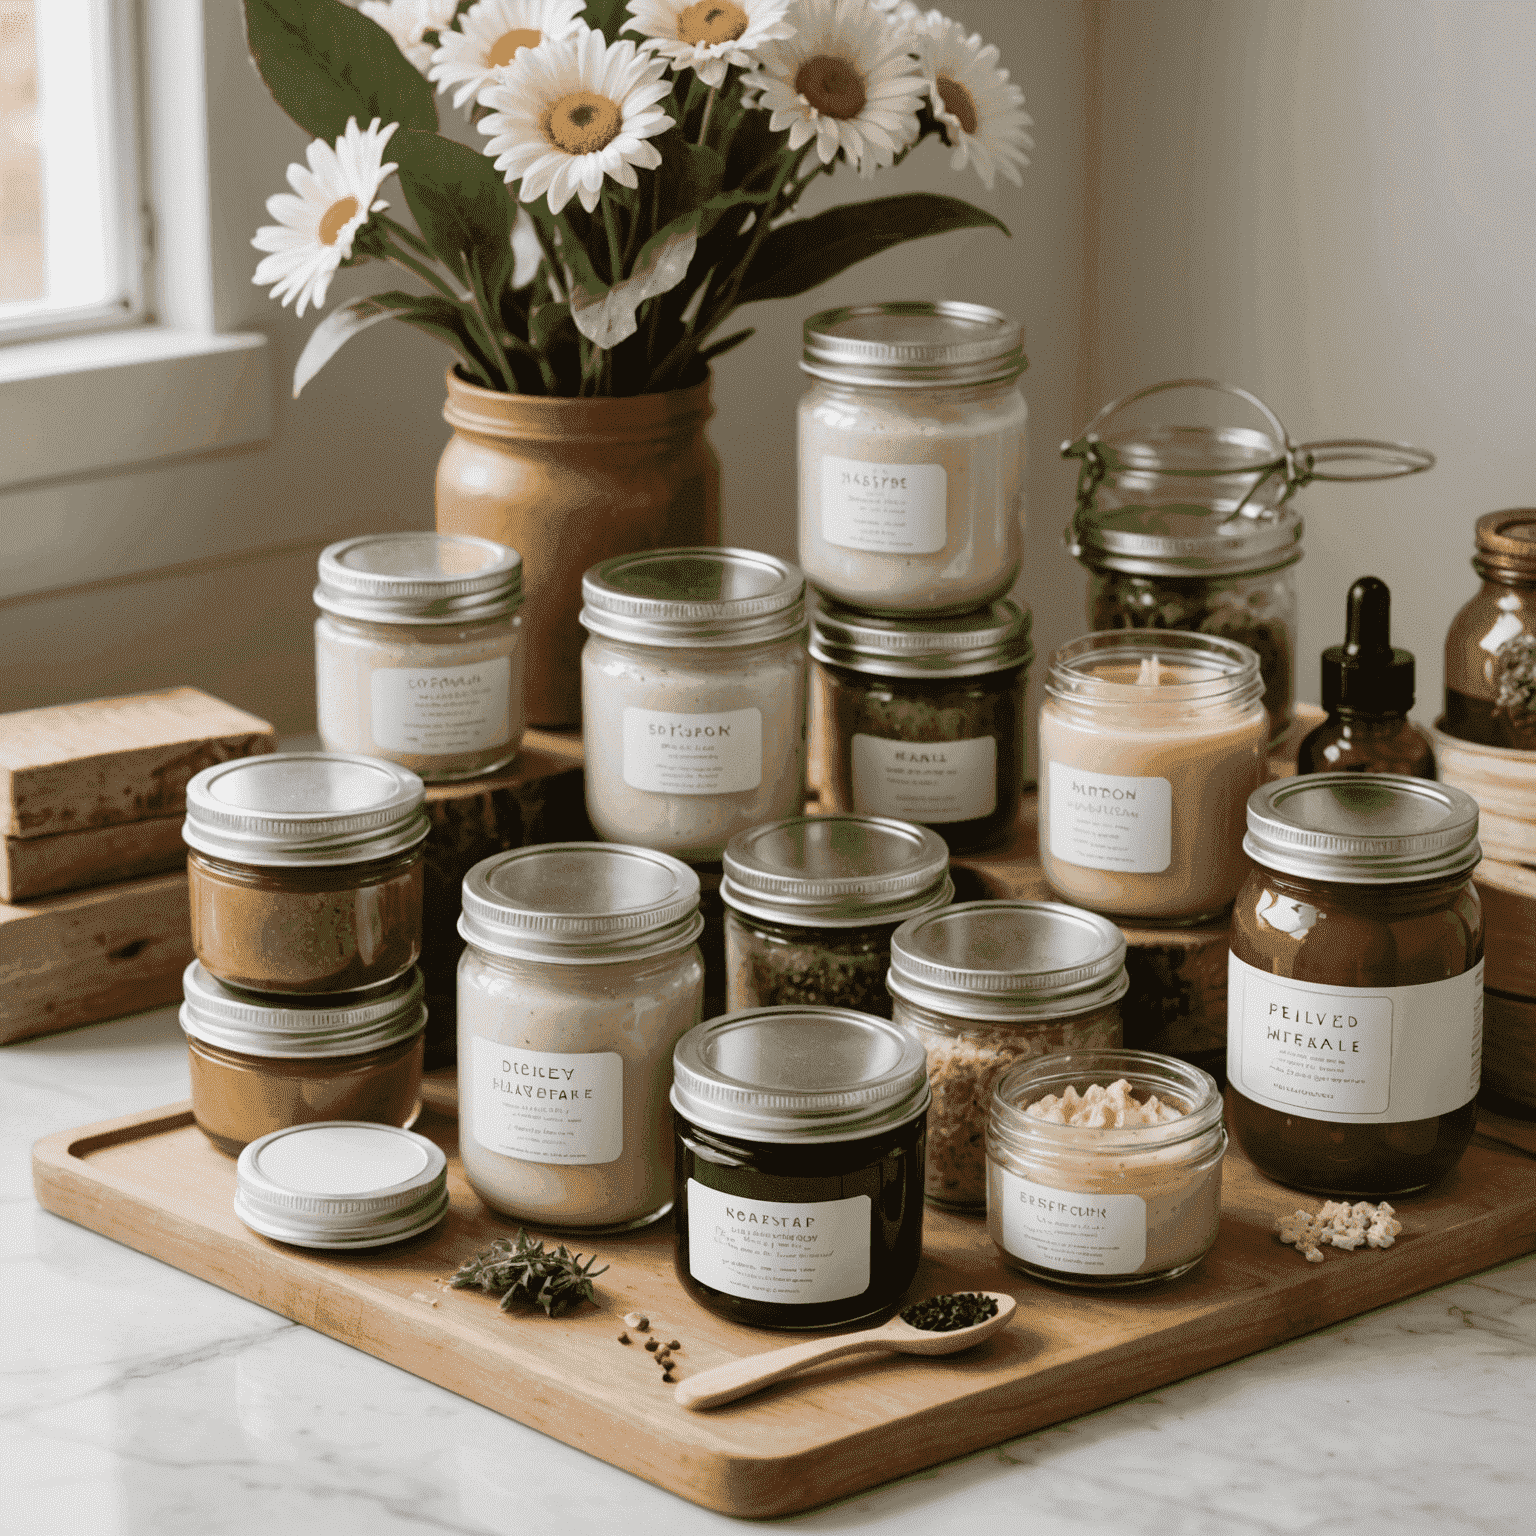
<point>138,1401</point>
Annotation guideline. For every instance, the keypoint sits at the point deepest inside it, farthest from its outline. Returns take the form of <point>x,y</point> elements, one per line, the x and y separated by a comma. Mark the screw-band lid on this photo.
<point>913,344</point>
<point>991,639</point>
<point>420,578</point>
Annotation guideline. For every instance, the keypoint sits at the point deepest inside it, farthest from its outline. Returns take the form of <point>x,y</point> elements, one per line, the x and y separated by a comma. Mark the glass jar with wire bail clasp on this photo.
<point>1192,526</point>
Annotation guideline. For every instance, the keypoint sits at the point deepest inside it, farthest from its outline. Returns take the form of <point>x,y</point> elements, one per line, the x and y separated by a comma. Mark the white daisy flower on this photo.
<point>708,36</point>
<point>315,229</point>
<point>567,114</point>
<point>407,20</point>
<point>492,34</point>
<point>845,79</point>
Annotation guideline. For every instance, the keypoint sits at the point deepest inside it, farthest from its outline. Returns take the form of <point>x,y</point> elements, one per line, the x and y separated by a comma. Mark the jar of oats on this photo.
<point>985,984</point>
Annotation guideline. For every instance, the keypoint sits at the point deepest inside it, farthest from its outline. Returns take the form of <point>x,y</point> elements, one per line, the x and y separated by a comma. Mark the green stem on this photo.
<point>551,258</point>
<point>709,106</point>
<point>410,236</point>
<point>491,327</point>
<point>615,254</point>
<point>409,262</point>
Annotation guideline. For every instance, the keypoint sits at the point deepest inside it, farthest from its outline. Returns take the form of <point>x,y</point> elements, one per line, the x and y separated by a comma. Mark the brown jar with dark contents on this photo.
<point>306,871</point>
<point>262,1064</point>
<point>1355,983</point>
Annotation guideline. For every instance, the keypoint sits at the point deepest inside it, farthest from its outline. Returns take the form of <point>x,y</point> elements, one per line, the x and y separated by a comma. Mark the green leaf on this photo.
<point>720,348</point>
<point>690,174</point>
<point>459,202</point>
<point>324,63</point>
<point>606,16</point>
<point>804,253</point>
<point>436,316</point>
<point>548,324</point>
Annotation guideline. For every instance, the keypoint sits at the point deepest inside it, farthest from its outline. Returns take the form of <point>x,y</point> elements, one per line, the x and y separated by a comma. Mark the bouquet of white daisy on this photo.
<point>630,191</point>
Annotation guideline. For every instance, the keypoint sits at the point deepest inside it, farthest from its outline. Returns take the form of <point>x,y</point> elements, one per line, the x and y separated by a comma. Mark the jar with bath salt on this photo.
<point>811,904</point>
<point>911,443</point>
<point>922,718</point>
<point>306,871</point>
<point>799,1138</point>
<point>693,685</point>
<point>418,651</point>
<point>1150,744</point>
<point>985,984</point>
<point>1104,1167</point>
<point>259,1064</point>
<point>1355,983</point>
<point>582,972</point>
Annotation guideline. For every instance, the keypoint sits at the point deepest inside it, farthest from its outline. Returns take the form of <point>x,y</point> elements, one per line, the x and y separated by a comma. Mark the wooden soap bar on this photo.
<point>65,861</point>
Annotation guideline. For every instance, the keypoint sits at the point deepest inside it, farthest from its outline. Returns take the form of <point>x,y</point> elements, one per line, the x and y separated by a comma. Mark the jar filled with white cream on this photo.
<point>693,684</point>
<point>912,456</point>
<point>1104,1167</point>
<point>418,651</point>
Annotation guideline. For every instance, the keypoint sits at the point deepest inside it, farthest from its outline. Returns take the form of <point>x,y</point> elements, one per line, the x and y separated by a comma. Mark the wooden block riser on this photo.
<point>66,861</point>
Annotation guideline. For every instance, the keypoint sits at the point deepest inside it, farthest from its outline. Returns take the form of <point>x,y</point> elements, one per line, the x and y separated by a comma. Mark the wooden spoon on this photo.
<point>726,1382</point>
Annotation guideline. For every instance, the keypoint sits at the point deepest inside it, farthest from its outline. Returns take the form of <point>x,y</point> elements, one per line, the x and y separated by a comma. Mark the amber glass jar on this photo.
<point>1355,983</point>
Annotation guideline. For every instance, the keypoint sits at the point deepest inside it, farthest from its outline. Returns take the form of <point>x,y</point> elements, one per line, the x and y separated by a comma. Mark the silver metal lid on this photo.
<point>694,597</point>
<point>325,1024</point>
<point>991,639</point>
<point>1105,670</point>
<point>420,578</point>
<point>305,808</point>
<point>1362,828</point>
<point>341,1184</point>
<point>836,871</point>
<point>1008,960</point>
<point>576,903</point>
<point>799,1075</point>
<point>913,345</point>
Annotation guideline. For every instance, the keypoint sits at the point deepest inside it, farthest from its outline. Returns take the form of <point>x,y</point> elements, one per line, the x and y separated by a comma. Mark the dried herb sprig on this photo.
<point>949,1312</point>
<point>518,1269</point>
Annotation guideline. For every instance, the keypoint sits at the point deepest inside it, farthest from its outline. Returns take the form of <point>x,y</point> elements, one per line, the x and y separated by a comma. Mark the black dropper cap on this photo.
<point>1366,674</point>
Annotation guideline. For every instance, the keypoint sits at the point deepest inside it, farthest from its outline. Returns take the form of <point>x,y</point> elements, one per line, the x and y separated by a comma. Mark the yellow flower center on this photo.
<point>582,123</point>
<point>958,102</point>
<point>334,219</point>
<point>833,86</point>
<point>504,49</point>
<point>711,21</point>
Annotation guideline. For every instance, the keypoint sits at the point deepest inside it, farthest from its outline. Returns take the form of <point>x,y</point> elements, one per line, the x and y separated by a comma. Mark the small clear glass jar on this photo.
<point>1103,1205</point>
<point>693,682</point>
<point>911,447</point>
<point>811,904</point>
<point>984,984</point>
<point>922,718</point>
<point>418,651</point>
<point>582,972</point>
<point>305,873</point>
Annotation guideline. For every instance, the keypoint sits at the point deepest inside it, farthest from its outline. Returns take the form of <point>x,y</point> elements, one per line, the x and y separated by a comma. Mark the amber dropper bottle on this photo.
<point>1367,691</point>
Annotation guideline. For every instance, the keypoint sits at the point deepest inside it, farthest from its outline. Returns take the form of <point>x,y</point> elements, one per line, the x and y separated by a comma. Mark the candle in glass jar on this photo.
<point>1150,744</point>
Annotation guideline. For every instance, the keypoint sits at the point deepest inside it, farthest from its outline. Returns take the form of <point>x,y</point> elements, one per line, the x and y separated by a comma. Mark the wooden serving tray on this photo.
<point>153,1181</point>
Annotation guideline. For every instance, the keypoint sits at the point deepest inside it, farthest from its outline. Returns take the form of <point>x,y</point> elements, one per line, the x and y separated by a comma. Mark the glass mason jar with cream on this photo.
<point>911,444</point>
<point>418,651</point>
<point>693,684</point>
<point>1150,744</point>
<point>582,972</point>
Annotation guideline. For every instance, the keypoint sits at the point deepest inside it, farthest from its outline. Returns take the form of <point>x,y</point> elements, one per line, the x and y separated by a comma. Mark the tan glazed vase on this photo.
<point>567,483</point>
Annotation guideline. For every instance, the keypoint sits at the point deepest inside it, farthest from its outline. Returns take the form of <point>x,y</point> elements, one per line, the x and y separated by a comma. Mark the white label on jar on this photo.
<point>892,508</point>
<point>429,711</point>
<point>1077,1234</point>
<point>1354,1055</point>
<point>1108,821</point>
<point>671,754</point>
<point>548,1107</point>
<point>927,781</point>
<point>774,1250</point>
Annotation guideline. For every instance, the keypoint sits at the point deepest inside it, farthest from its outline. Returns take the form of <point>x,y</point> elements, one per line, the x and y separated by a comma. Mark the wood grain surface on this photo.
<point>66,861</point>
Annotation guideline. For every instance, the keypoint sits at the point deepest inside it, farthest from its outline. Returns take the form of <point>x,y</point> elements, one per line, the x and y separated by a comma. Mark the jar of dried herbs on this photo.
<point>922,718</point>
<point>811,904</point>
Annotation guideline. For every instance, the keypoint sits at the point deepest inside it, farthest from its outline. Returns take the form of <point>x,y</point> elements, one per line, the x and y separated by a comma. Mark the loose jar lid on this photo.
<point>575,903</point>
<point>694,597</point>
<point>305,808</point>
<point>1506,543</point>
<point>1362,828</point>
<point>1008,960</point>
<point>420,578</point>
<point>1169,670</point>
<point>990,639</point>
<point>799,1075</point>
<point>836,871</point>
<point>341,1184</point>
<point>324,1024</point>
<point>913,345</point>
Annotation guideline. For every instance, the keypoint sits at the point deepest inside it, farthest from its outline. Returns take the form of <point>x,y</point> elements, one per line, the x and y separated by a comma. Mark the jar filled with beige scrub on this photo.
<point>418,651</point>
<point>306,871</point>
<point>693,684</point>
<point>911,446</point>
<point>260,1064</point>
<point>582,973</point>
<point>1104,1167</point>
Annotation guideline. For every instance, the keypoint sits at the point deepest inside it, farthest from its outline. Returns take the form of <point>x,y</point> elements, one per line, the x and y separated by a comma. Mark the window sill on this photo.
<point>83,405</point>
